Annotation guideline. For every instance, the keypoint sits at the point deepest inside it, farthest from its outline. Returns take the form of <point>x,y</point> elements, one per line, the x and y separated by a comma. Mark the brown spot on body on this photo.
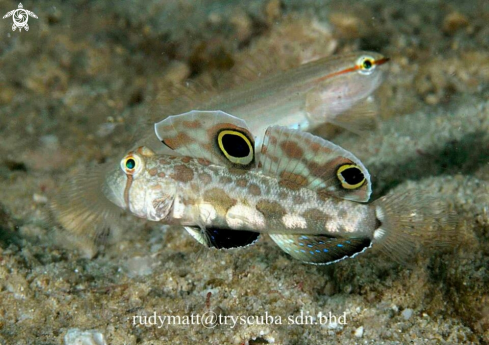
<point>182,173</point>
<point>314,215</point>
<point>291,149</point>
<point>254,189</point>
<point>205,178</point>
<point>219,199</point>
<point>163,161</point>
<point>161,174</point>
<point>241,182</point>
<point>203,161</point>
<point>152,172</point>
<point>292,181</point>
<point>283,195</point>
<point>225,180</point>
<point>194,187</point>
<point>270,209</point>
<point>186,159</point>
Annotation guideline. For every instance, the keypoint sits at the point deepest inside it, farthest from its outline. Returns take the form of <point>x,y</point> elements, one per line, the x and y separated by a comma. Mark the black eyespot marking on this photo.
<point>227,239</point>
<point>353,175</point>
<point>235,145</point>
<point>350,176</point>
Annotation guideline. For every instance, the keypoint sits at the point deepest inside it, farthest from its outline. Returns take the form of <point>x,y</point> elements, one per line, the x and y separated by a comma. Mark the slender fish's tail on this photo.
<point>84,211</point>
<point>412,220</point>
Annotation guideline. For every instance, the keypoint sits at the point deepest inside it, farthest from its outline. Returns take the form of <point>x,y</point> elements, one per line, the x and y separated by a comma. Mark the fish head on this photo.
<point>138,185</point>
<point>357,76</point>
<point>370,71</point>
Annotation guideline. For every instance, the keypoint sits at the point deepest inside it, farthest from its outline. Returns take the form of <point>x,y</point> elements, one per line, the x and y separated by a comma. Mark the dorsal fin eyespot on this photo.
<point>236,146</point>
<point>303,160</point>
<point>350,176</point>
<point>214,136</point>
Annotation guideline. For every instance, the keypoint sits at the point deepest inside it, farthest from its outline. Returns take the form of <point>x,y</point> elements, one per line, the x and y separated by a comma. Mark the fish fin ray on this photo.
<point>83,210</point>
<point>361,119</point>
<point>320,249</point>
<point>411,221</point>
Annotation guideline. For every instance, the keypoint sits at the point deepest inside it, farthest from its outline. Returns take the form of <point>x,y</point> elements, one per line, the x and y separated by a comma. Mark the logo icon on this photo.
<point>20,17</point>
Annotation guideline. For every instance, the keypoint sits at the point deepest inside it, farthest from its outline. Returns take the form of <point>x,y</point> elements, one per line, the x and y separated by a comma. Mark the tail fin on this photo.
<point>411,220</point>
<point>85,212</point>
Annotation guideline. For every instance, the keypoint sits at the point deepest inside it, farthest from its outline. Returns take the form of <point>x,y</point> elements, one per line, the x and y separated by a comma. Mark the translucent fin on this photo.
<point>300,159</point>
<point>199,134</point>
<point>83,209</point>
<point>223,238</point>
<point>361,119</point>
<point>321,249</point>
<point>409,220</point>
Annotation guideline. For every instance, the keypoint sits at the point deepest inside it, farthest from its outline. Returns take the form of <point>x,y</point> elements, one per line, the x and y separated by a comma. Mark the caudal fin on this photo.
<point>412,220</point>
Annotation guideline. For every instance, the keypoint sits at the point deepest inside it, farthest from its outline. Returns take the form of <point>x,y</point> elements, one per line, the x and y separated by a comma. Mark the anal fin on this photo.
<point>223,238</point>
<point>321,249</point>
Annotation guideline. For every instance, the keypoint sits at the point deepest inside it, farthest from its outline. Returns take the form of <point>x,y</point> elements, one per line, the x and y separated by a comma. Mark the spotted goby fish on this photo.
<point>308,194</point>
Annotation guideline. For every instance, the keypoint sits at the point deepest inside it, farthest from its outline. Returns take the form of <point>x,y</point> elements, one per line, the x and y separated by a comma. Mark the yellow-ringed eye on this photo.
<point>350,176</point>
<point>131,164</point>
<point>236,146</point>
<point>366,64</point>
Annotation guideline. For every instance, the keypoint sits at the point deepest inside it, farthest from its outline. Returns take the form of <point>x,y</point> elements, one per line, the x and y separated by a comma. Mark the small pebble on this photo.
<point>76,336</point>
<point>359,332</point>
<point>407,313</point>
<point>39,199</point>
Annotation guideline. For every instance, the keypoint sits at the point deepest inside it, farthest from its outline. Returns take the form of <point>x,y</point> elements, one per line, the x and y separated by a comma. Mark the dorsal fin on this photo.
<point>321,249</point>
<point>300,159</point>
<point>215,136</point>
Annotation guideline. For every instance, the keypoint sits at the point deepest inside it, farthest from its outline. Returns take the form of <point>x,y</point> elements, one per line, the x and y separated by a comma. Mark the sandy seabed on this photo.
<point>76,88</point>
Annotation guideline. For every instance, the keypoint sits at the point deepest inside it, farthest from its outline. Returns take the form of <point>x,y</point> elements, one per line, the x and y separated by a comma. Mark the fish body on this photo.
<point>304,97</point>
<point>308,194</point>
<point>334,89</point>
<point>194,192</point>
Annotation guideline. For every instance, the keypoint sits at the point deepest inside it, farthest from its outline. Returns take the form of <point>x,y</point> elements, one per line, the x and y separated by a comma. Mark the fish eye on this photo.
<point>131,164</point>
<point>236,146</point>
<point>350,176</point>
<point>366,64</point>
